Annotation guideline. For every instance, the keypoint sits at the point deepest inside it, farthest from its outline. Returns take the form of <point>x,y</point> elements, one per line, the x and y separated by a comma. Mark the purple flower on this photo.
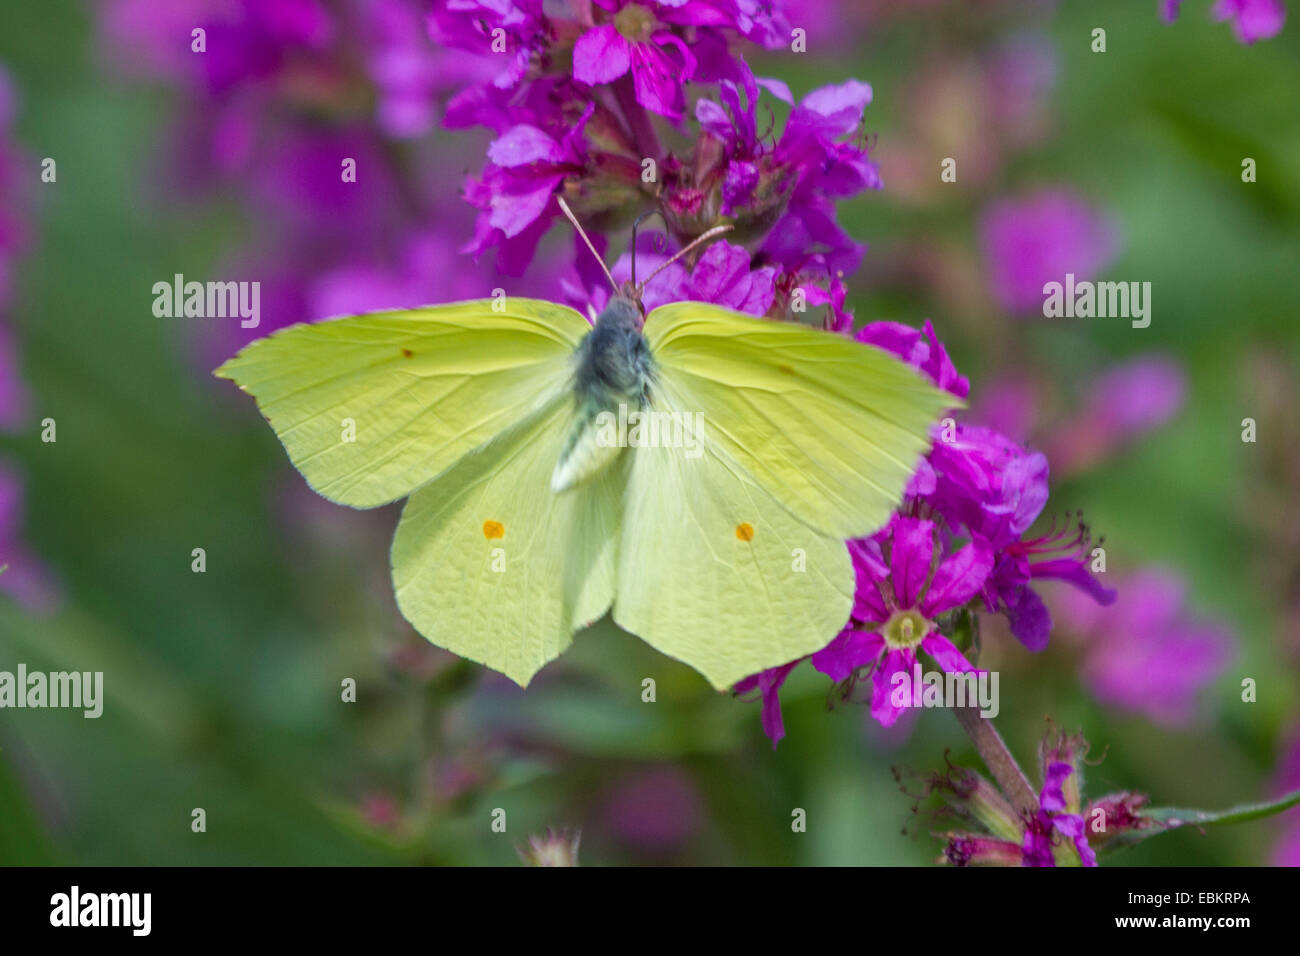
<point>153,39</point>
<point>1287,850</point>
<point>919,348</point>
<point>1123,404</point>
<point>982,482</point>
<point>895,604</point>
<point>723,275</point>
<point>977,485</point>
<point>1062,555</point>
<point>14,230</point>
<point>1010,405</point>
<point>420,277</point>
<point>823,168</point>
<point>1287,779</point>
<point>787,190</point>
<point>633,42</point>
<point>1169,10</point>
<point>296,181</point>
<point>822,288</point>
<point>1039,239</point>
<point>1251,19</point>
<point>656,811</point>
<point>409,72</point>
<point>759,21</point>
<point>247,42</point>
<point>1146,654</point>
<point>768,684</point>
<point>516,191</point>
<point>1033,836</point>
<point>994,488</point>
<point>1053,818</point>
<point>508,33</point>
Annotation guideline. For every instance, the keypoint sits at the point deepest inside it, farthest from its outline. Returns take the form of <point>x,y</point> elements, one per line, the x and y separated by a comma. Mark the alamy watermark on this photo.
<point>1086,300</point>
<point>208,300</point>
<point>130,910</point>
<point>82,690</point>
<point>946,689</point>
<point>640,429</point>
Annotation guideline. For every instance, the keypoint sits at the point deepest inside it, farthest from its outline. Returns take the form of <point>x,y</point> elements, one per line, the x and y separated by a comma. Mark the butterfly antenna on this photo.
<point>564,206</point>
<point>698,240</point>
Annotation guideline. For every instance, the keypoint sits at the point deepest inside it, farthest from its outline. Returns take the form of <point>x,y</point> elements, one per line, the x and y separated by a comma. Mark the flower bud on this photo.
<point>552,848</point>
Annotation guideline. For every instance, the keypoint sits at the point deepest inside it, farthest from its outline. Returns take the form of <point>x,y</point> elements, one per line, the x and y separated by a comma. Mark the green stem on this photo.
<point>998,759</point>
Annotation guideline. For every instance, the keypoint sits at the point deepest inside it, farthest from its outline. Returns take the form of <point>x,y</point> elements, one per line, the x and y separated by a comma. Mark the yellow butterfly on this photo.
<point>715,533</point>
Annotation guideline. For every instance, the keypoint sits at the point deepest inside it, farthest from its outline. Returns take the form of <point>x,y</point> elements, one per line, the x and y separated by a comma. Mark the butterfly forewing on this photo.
<point>370,407</point>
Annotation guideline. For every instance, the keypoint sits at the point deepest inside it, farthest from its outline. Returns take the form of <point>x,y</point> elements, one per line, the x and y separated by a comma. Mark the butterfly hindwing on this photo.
<point>370,407</point>
<point>491,564</point>
<point>713,571</point>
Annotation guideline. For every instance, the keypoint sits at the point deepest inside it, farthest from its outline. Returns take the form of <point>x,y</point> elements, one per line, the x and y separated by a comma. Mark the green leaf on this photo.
<point>1165,819</point>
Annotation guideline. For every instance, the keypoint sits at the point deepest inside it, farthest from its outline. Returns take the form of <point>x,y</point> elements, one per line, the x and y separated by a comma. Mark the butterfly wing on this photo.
<point>715,572</point>
<point>831,428</point>
<point>370,407</point>
<point>491,564</point>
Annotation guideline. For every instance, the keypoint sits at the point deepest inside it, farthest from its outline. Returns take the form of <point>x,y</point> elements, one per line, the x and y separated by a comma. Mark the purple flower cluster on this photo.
<point>580,98</point>
<point>305,112</point>
<point>1040,238</point>
<point>1055,819</point>
<point>583,98</point>
<point>1251,19</point>
<point>1053,832</point>
<point>960,541</point>
<point>1125,403</point>
<point>1148,654</point>
<point>24,576</point>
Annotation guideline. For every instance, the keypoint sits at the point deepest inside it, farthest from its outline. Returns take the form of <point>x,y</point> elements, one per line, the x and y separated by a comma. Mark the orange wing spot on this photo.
<point>407,353</point>
<point>785,368</point>
<point>493,529</point>
<point>745,532</point>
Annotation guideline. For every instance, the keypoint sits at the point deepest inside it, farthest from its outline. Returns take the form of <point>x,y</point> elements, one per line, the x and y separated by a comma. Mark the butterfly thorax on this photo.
<point>611,377</point>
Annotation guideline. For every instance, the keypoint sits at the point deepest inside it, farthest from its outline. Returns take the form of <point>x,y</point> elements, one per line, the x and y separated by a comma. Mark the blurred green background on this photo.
<point>223,688</point>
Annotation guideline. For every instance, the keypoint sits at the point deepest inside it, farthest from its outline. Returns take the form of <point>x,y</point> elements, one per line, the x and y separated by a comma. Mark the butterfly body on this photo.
<point>612,369</point>
<point>728,555</point>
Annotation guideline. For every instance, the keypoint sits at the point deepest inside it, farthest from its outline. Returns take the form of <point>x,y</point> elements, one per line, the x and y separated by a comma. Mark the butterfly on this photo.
<point>694,471</point>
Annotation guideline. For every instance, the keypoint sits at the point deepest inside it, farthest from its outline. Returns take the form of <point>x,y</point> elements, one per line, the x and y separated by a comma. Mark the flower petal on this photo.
<point>601,55</point>
<point>850,650</point>
<point>910,558</point>
<point>1052,798</point>
<point>946,653</point>
<point>882,707</point>
<point>1075,571</point>
<point>769,683</point>
<point>1030,620</point>
<point>959,577</point>
<point>524,144</point>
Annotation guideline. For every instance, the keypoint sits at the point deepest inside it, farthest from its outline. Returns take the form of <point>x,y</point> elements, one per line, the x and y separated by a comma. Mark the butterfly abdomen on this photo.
<point>613,370</point>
